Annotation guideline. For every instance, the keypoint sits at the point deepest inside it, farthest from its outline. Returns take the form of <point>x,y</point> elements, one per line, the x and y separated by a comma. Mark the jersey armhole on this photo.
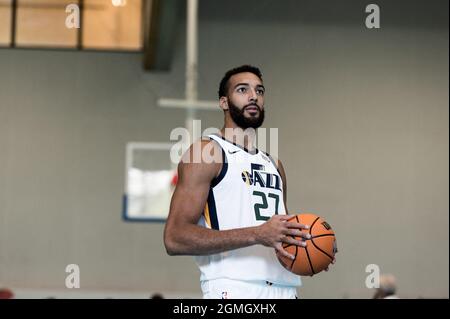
<point>273,162</point>
<point>216,180</point>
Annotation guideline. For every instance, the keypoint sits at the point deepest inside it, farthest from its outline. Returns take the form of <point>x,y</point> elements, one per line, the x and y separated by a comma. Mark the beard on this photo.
<point>241,120</point>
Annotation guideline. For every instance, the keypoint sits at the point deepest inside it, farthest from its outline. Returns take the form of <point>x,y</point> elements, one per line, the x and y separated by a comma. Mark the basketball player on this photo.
<point>230,212</point>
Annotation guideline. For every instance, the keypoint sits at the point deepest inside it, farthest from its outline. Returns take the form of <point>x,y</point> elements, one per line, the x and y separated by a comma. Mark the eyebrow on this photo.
<point>246,84</point>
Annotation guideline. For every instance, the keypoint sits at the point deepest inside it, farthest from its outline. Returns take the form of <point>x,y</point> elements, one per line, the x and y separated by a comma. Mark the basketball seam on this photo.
<point>324,235</point>
<point>312,225</point>
<point>309,261</point>
<point>318,248</point>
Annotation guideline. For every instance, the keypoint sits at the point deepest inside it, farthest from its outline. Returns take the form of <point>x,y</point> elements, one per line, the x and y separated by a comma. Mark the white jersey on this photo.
<point>247,192</point>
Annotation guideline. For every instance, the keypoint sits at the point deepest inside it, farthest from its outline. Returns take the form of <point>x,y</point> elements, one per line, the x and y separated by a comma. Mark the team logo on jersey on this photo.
<point>258,176</point>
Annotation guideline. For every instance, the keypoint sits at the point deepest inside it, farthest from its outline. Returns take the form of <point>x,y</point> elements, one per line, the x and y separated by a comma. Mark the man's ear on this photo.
<point>223,103</point>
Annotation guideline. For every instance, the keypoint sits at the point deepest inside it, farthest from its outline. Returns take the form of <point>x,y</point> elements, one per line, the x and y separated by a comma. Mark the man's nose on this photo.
<point>253,97</point>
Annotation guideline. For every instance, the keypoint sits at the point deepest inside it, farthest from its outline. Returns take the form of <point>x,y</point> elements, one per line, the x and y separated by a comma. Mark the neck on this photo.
<point>232,132</point>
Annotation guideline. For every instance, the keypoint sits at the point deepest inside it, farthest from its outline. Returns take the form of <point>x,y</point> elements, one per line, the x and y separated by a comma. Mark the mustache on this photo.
<point>251,104</point>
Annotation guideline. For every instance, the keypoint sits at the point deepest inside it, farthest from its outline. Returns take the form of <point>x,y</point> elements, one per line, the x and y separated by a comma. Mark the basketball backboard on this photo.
<point>150,179</point>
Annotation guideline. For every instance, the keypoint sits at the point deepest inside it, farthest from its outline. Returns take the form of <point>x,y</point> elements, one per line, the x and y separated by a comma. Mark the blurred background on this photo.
<point>363,135</point>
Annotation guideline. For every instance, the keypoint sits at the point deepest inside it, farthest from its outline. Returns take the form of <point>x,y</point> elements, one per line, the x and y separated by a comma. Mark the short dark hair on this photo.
<point>223,87</point>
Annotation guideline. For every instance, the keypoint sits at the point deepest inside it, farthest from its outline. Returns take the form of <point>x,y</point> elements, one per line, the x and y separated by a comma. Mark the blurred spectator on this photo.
<point>6,293</point>
<point>388,288</point>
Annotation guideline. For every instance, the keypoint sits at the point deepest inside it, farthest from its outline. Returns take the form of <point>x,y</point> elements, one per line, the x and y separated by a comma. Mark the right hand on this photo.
<point>278,230</point>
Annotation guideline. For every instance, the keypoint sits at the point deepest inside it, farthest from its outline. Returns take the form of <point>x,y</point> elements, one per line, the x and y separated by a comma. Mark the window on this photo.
<point>105,24</point>
<point>5,22</point>
<point>108,26</point>
<point>42,23</point>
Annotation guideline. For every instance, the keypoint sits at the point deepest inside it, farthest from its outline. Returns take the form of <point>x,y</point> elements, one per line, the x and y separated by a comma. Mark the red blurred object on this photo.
<point>174,180</point>
<point>6,293</point>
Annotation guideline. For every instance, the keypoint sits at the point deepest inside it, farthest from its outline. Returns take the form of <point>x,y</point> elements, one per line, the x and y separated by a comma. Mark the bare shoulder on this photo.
<point>203,159</point>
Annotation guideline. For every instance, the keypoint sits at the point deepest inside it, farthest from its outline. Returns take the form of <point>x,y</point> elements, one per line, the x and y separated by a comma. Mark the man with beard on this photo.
<point>229,207</point>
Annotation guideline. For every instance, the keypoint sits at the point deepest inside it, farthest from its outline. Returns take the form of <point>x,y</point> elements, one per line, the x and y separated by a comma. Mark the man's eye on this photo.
<point>241,90</point>
<point>260,92</point>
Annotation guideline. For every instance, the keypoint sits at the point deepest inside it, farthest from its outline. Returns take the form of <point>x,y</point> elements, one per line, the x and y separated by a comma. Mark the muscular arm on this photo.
<point>182,235</point>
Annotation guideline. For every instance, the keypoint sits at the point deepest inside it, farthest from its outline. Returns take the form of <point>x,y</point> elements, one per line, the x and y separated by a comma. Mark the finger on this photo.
<point>293,241</point>
<point>284,217</point>
<point>298,233</point>
<point>283,252</point>
<point>297,225</point>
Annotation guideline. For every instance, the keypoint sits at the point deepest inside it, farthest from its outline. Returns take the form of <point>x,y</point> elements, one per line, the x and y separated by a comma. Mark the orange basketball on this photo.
<point>319,251</point>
